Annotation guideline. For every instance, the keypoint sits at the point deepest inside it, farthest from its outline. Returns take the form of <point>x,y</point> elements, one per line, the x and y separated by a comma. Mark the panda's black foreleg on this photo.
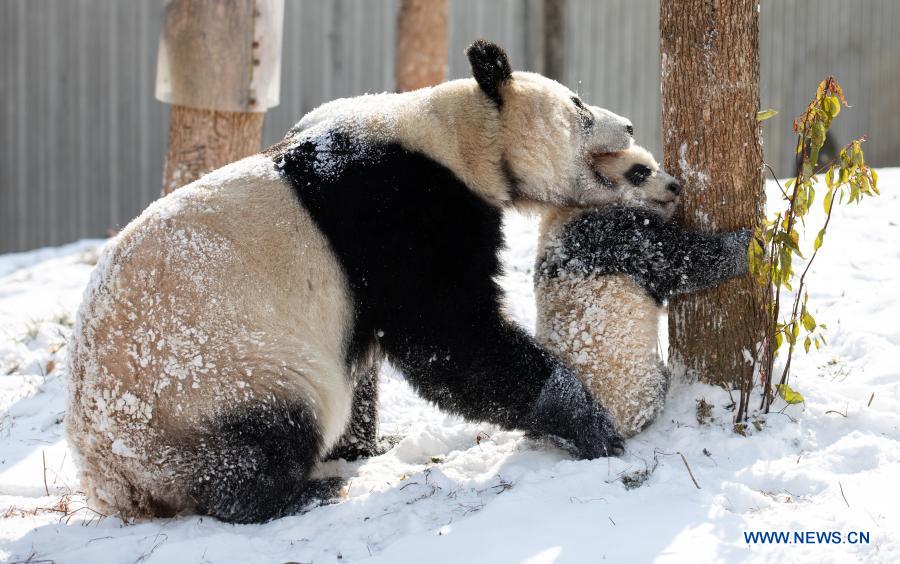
<point>495,372</point>
<point>360,440</point>
<point>707,259</point>
<point>661,256</point>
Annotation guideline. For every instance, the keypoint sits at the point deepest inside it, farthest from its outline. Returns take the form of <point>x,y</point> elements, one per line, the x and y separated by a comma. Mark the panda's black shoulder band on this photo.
<point>490,67</point>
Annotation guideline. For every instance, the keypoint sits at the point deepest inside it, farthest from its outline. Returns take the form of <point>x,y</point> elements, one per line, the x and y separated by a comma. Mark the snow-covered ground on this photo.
<point>453,491</point>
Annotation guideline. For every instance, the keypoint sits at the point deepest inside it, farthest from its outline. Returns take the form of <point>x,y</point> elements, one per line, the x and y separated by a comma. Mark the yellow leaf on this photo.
<point>808,322</point>
<point>789,395</point>
<point>831,106</point>
<point>819,238</point>
<point>766,114</point>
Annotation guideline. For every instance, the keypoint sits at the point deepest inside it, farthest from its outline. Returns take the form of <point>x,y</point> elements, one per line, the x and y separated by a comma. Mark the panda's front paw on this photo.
<point>601,438</point>
<point>569,415</point>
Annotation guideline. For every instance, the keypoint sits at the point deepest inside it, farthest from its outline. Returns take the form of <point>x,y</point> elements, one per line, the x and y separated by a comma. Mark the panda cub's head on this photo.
<point>633,177</point>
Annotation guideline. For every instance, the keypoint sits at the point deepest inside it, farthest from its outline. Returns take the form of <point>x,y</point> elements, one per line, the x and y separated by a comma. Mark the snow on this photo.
<point>454,491</point>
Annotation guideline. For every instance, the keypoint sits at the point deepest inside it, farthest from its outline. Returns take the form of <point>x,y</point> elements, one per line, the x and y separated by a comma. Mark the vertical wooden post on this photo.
<point>710,96</point>
<point>220,68</point>
<point>421,54</point>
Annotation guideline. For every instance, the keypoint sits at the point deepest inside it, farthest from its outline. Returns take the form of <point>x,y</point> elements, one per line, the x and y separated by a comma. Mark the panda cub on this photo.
<point>603,274</point>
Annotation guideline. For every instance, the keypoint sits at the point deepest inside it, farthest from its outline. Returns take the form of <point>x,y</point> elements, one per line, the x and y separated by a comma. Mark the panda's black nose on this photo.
<point>674,187</point>
<point>629,129</point>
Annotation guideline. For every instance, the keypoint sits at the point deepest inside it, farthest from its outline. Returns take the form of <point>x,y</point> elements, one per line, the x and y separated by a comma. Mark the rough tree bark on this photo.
<point>710,96</point>
<point>421,53</point>
<point>219,68</point>
<point>201,141</point>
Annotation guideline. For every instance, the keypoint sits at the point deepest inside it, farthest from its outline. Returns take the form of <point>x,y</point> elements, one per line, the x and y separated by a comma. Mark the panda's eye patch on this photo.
<point>638,174</point>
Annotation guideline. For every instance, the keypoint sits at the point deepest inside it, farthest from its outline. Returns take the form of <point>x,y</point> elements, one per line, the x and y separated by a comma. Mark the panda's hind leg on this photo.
<point>255,464</point>
<point>360,440</point>
<point>652,392</point>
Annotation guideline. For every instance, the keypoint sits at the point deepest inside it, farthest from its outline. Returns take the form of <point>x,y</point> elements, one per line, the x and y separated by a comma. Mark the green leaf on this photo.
<point>827,201</point>
<point>794,238</point>
<point>807,166</point>
<point>766,114</point>
<point>808,322</point>
<point>779,338</point>
<point>817,137</point>
<point>819,238</point>
<point>813,160</point>
<point>789,395</point>
<point>806,343</point>
<point>800,200</point>
<point>785,257</point>
<point>831,106</point>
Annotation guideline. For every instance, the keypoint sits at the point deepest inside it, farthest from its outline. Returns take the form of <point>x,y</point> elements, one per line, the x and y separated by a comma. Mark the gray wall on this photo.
<point>83,140</point>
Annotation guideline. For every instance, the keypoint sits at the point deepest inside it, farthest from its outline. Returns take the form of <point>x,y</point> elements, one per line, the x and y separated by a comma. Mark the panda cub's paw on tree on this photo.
<point>226,340</point>
<point>602,275</point>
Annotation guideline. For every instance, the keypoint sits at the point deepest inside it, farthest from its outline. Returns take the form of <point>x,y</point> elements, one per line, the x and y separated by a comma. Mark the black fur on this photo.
<point>360,440</point>
<point>587,118</point>
<point>419,250</point>
<point>490,67</point>
<point>663,258</point>
<point>253,465</point>
<point>638,174</point>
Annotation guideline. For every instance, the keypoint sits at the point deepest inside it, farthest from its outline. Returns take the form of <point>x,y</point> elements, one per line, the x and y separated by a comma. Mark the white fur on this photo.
<point>218,294</point>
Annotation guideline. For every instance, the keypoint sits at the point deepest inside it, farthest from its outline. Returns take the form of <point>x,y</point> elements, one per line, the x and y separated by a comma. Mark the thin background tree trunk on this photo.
<point>554,38</point>
<point>421,56</point>
<point>219,66</point>
<point>710,96</point>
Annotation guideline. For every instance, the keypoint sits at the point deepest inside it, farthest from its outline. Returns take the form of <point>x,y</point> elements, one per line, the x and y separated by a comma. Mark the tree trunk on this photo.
<point>554,39</point>
<point>421,54</point>
<point>219,66</point>
<point>201,141</point>
<point>710,96</point>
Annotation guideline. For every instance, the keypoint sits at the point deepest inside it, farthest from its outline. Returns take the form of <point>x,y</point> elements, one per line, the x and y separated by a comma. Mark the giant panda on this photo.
<point>226,341</point>
<point>602,275</point>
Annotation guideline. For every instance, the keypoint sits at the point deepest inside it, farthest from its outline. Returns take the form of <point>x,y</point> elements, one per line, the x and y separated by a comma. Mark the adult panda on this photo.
<point>218,353</point>
<point>602,275</point>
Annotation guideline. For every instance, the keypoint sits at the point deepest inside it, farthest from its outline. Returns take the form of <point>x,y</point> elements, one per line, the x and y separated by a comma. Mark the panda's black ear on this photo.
<point>490,67</point>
